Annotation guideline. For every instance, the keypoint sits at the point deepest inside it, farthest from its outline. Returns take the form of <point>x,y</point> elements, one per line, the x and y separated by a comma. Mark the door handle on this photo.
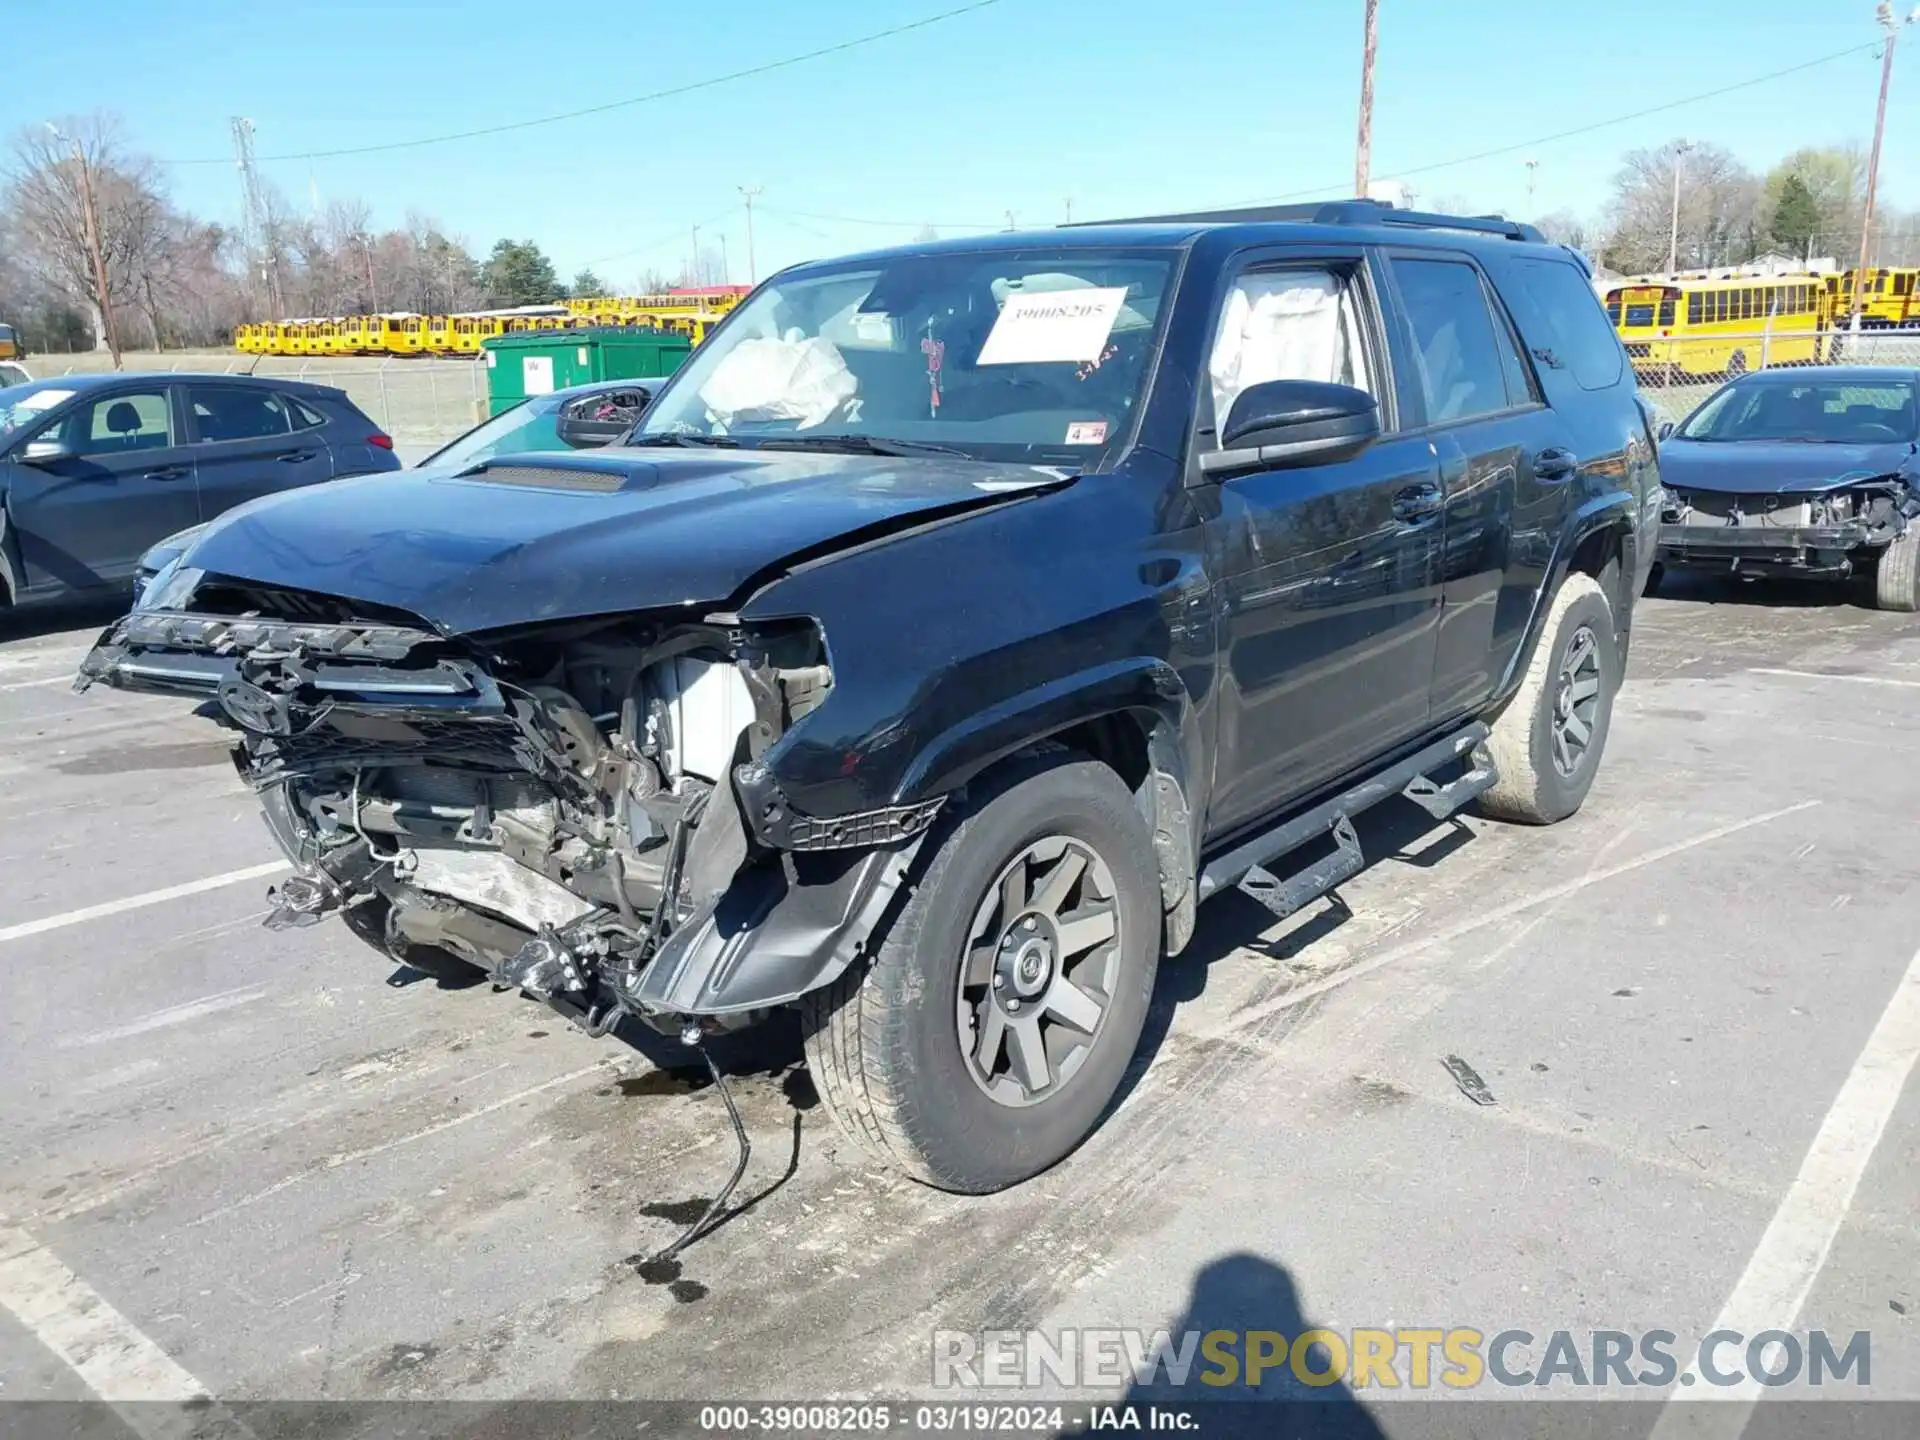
<point>167,472</point>
<point>294,457</point>
<point>1554,465</point>
<point>1416,502</point>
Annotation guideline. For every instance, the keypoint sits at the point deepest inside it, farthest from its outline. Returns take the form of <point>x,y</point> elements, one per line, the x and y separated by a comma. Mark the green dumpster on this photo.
<point>539,362</point>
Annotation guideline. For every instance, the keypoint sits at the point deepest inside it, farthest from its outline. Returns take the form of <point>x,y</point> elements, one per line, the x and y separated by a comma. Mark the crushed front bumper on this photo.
<point>1809,550</point>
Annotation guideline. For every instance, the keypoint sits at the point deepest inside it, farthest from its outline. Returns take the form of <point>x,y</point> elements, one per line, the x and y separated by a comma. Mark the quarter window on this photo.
<point>1576,332</point>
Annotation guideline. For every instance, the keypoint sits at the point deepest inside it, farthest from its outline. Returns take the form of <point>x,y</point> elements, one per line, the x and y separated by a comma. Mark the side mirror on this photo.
<point>1666,429</point>
<point>596,420</point>
<point>1285,423</point>
<point>47,452</point>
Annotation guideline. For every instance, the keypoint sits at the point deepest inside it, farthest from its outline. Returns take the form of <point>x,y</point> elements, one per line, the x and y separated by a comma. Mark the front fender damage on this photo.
<point>777,932</point>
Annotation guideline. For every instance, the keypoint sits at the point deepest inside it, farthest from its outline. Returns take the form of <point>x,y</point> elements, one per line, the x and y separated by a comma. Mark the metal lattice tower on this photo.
<point>253,215</point>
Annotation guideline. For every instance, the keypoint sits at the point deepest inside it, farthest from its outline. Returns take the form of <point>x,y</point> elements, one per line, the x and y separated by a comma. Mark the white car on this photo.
<point>12,374</point>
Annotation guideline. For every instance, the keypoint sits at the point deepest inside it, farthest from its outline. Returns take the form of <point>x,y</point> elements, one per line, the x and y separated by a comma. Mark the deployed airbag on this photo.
<point>768,379</point>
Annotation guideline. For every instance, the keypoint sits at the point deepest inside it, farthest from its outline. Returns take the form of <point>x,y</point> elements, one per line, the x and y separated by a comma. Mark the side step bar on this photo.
<point>1244,865</point>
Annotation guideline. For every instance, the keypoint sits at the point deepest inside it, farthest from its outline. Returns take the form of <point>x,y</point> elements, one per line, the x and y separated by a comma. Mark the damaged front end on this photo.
<point>1821,533</point>
<point>583,808</point>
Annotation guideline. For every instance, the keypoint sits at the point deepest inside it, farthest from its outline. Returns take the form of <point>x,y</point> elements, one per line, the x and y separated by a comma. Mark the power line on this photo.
<point>856,43</point>
<point>1583,129</point>
<point>666,238</point>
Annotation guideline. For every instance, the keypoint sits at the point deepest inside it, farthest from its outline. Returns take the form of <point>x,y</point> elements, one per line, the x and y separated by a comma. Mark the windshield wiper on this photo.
<point>857,445</point>
<point>726,442</point>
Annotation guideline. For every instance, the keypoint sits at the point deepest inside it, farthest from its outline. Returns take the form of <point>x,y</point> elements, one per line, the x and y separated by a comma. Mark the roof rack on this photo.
<point>1340,212</point>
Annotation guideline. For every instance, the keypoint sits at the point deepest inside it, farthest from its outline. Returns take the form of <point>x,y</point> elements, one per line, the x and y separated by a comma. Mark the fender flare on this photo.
<point>796,921</point>
<point>1138,683</point>
<point>1613,510</point>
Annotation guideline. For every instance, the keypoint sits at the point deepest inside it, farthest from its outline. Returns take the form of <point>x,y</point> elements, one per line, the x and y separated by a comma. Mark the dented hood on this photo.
<point>1776,467</point>
<point>550,537</point>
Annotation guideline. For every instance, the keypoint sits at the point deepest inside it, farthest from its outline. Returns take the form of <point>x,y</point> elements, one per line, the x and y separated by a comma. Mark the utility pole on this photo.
<point>1363,150</point>
<point>90,223</point>
<point>1891,30</point>
<point>693,268</point>
<point>1069,209</point>
<point>726,270</point>
<point>749,192</point>
<point>1532,165</point>
<point>1010,224</point>
<point>1680,148</point>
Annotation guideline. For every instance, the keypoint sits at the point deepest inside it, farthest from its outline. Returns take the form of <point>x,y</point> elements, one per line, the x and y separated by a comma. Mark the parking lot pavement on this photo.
<point>283,1177</point>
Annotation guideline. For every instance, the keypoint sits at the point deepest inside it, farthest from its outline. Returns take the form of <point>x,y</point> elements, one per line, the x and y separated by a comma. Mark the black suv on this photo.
<point>96,468</point>
<point>954,621</point>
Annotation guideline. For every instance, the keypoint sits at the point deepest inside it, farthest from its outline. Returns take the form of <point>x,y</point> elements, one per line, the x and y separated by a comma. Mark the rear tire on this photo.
<point>1546,767</point>
<point>956,1049</point>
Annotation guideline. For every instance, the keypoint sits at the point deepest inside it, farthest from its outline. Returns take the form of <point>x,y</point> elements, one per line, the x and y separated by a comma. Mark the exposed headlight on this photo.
<point>170,588</point>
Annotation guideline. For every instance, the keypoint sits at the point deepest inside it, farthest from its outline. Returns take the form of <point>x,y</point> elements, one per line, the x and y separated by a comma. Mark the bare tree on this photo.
<point>54,173</point>
<point>1722,219</point>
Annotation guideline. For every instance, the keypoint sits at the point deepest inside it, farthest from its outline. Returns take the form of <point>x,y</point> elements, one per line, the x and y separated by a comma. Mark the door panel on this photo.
<point>85,520</point>
<point>251,442</point>
<point>1500,519</point>
<point>1329,580</point>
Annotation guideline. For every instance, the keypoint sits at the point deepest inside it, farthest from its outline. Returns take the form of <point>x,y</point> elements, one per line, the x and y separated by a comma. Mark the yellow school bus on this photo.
<point>1688,327</point>
<point>1887,297</point>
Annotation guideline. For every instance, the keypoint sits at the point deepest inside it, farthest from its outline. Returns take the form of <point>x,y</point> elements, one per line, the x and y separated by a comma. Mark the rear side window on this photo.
<point>305,417</point>
<point>231,412</point>
<point>1457,340</point>
<point>1577,336</point>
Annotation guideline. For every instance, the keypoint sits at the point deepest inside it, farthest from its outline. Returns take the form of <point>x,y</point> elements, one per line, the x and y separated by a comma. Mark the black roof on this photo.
<point>1361,220</point>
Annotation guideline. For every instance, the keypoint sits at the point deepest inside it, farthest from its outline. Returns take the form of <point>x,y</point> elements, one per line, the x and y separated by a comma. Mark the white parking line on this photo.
<point>34,684</point>
<point>1826,675</point>
<point>75,1322</point>
<point>172,1015</point>
<point>1791,1253</point>
<point>137,902</point>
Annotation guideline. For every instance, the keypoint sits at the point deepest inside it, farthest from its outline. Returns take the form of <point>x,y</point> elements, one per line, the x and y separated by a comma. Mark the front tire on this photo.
<point>984,1034</point>
<point>1896,577</point>
<point>1548,742</point>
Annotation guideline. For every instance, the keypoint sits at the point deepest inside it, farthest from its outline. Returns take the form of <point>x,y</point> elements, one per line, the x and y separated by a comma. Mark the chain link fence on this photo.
<point>419,402</point>
<point>1677,374</point>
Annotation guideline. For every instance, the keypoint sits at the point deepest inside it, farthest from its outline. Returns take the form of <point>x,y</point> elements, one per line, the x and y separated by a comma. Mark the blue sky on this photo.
<point>1123,105</point>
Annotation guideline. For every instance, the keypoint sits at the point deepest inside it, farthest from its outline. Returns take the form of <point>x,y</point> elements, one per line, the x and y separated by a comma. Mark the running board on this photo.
<point>1244,865</point>
<point>1283,897</point>
<point>1440,801</point>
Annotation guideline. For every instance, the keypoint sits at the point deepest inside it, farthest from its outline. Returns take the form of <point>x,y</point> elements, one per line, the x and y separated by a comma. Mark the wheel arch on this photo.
<point>1599,540</point>
<point>1133,716</point>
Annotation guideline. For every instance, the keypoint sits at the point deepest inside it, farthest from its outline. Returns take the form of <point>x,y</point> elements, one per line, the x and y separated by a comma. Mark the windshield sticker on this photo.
<point>1087,432</point>
<point>1065,326</point>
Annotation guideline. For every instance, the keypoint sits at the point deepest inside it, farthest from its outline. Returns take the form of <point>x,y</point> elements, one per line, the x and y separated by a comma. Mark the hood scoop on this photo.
<point>569,475</point>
